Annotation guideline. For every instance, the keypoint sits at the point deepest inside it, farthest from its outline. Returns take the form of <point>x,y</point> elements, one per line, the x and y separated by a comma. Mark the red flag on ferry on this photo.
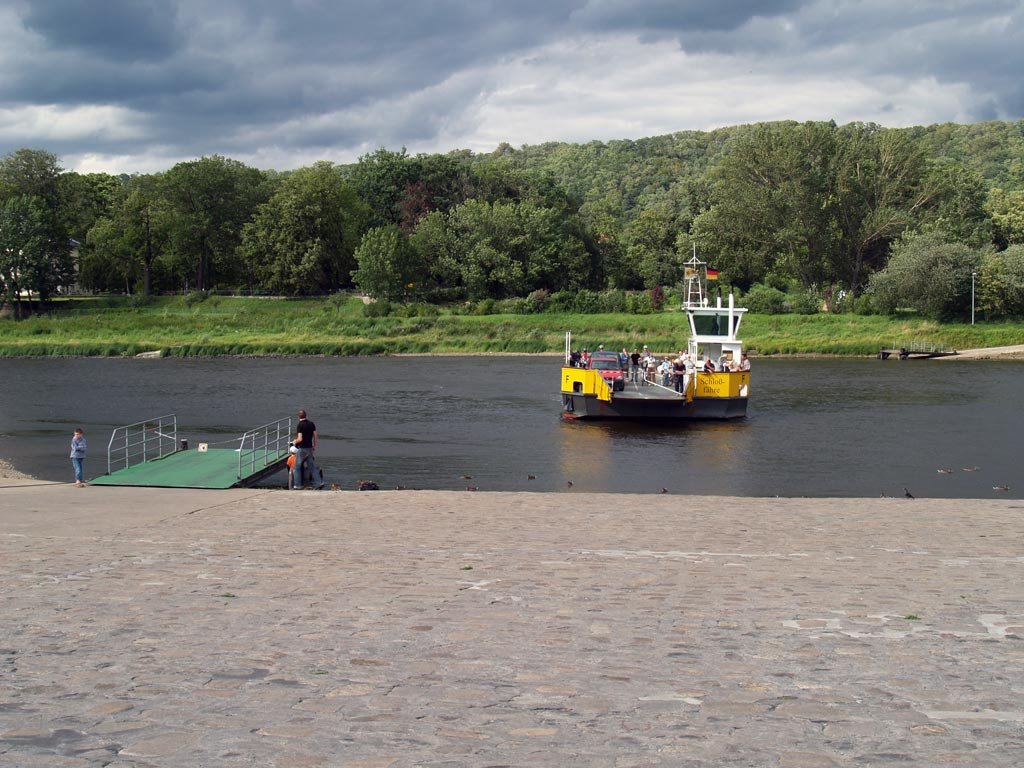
<point>712,274</point>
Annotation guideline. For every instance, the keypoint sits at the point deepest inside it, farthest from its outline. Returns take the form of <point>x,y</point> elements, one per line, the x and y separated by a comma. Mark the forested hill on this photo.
<point>623,175</point>
<point>809,209</point>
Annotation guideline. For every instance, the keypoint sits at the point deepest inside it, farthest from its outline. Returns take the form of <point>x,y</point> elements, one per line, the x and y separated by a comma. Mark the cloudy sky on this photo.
<point>138,85</point>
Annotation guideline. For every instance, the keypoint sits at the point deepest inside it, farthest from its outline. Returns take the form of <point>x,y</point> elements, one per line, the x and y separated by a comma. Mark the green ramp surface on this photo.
<point>215,468</point>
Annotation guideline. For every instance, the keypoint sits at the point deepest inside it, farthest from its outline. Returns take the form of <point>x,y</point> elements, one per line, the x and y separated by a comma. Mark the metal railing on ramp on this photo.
<point>141,442</point>
<point>263,446</point>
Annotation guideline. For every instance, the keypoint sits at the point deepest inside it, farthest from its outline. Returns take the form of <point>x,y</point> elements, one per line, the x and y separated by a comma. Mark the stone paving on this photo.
<point>150,627</point>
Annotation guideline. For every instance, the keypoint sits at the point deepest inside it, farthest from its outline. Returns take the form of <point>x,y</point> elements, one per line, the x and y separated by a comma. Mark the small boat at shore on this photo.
<point>722,393</point>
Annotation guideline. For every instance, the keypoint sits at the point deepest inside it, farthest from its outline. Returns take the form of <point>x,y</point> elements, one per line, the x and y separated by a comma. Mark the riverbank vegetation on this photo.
<point>341,325</point>
<point>797,218</point>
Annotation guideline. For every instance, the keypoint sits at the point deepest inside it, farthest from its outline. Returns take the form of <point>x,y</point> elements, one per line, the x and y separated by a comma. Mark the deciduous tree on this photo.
<point>209,201</point>
<point>303,240</point>
<point>388,268</point>
<point>125,245</point>
<point>770,200</point>
<point>380,179</point>
<point>502,249</point>
<point>880,188</point>
<point>1001,283</point>
<point>32,261</point>
<point>1007,211</point>
<point>32,173</point>
<point>651,245</point>
<point>85,198</point>
<point>927,273</point>
<point>35,252</point>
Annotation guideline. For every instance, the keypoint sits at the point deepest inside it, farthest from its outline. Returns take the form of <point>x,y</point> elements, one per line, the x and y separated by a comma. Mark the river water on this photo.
<point>814,428</point>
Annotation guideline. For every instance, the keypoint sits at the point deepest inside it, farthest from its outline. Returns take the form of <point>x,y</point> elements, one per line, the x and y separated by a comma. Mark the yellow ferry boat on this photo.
<point>713,337</point>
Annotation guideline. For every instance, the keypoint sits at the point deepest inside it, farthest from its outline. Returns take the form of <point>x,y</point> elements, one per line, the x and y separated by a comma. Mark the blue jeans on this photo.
<point>78,465</point>
<point>303,456</point>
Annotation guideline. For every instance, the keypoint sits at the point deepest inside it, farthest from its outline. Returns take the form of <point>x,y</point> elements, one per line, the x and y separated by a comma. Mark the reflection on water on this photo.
<point>815,427</point>
<point>586,454</point>
<point>702,457</point>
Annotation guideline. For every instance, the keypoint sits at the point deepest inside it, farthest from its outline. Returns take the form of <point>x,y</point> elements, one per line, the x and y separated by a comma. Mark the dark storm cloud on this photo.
<point>116,30</point>
<point>445,28</point>
<point>671,17</point>
<point>979,45</point>
<point>63,78</point>
<point>244,77</point>
<point>243,65</point>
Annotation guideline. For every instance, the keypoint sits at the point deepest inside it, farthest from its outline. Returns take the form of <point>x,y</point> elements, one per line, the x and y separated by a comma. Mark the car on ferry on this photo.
<point>610,368</point>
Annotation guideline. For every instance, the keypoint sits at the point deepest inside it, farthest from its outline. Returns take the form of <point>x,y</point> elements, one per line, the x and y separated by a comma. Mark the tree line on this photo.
<point>848,216</point>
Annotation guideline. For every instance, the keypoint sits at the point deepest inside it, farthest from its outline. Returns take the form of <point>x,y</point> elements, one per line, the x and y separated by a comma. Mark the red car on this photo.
<point>611,370</point>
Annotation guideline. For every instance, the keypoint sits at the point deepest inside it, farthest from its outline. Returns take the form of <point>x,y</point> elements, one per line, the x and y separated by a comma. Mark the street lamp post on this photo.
<point>973,275</point>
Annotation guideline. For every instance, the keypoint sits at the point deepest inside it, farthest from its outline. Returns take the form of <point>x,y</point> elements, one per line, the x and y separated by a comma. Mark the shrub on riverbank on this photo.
<point>582,302</point>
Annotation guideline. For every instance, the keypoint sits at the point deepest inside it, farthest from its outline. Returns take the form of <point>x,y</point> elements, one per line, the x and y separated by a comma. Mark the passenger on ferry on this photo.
<point>679,373</point>
<point>624,359</point>
<point>691,369</point>
<point>665,369</point>
<point>642,371</point>
<point>574,359</point>
<point>634,365</point>
<point>709,367</point>
<point>652,369</point>
<point>744,362</point>
<point>584,358</point>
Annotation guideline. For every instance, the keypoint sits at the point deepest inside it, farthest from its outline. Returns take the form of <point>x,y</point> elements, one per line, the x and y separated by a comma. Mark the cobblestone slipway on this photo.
<point>147,627</point>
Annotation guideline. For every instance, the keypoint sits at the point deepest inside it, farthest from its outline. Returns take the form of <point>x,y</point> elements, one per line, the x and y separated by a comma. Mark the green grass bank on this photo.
<point>227,325</point>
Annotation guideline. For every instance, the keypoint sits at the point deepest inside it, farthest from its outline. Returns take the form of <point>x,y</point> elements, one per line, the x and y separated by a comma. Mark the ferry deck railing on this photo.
<point>141,442</point>
<point>662,386</point>
<point>647,383</point>
<point>263,445</point>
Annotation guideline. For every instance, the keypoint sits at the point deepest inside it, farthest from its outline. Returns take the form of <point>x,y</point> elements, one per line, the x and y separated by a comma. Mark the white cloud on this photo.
<point>619,87</point>
<point>97,162</point>
<point>57,123</point>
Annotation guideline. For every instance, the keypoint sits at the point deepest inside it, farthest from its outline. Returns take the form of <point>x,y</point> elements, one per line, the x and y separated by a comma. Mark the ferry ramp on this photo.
<point>150,454</point>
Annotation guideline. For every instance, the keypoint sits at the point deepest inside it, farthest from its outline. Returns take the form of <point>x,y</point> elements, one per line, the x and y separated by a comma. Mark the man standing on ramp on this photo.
<point>305,445</point>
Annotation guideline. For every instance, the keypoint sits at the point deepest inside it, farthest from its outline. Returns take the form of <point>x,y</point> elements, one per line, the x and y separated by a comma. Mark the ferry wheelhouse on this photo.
<point>713,335</point>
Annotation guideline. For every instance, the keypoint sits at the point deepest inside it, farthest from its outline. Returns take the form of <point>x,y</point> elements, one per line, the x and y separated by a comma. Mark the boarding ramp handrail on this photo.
<point>925,347</point>
<point>141,442</point>
<point>262,446</point>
